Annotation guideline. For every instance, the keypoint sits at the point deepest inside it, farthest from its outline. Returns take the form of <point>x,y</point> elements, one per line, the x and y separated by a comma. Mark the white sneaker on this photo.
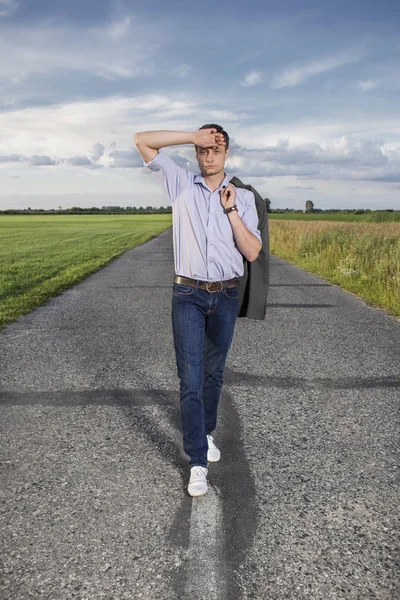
<point>198,481</point>
<point>213,454</point>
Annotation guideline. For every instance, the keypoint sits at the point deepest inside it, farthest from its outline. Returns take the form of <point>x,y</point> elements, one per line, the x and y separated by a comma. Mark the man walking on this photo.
<point>214,225</point>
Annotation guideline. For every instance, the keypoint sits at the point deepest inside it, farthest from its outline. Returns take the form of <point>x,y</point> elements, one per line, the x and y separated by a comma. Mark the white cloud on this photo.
<point>295,75</point>
<point>7,7</point>
<point>251,78</point>
<point>82,161</point>
<point>114,31</point>
<point>120,50</point>
<point>367,85</point>
<point>67,130</point>
<point>342,159</point>
<point>321,130</point>
<point>74,140</point>
<point>226,115</point>
<point>8,158</point>
<point>126,159</point>
<point>42,161</point>
<point>97,152</point>
<point>183,158</point>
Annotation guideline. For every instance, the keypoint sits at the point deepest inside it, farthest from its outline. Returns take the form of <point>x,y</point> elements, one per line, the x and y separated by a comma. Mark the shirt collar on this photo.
<point>200,179</point>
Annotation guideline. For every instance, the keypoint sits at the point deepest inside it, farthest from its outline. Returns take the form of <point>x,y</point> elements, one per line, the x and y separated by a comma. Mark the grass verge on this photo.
<point>41,256</point>
<point>383,216</point>
<point>363,258</point>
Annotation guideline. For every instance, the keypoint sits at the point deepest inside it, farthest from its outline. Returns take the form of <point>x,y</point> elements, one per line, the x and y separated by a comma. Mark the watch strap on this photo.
<point>230,209</point>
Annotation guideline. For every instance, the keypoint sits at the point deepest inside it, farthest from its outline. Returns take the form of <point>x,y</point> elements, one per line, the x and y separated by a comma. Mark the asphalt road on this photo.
<point>304,503</point>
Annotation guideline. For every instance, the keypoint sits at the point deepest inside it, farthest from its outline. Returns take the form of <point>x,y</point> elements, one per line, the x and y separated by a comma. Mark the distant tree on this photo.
<point>309,206</point>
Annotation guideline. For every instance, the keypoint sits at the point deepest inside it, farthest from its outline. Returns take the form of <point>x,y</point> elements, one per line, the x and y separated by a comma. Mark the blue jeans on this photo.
<point>203,324</point>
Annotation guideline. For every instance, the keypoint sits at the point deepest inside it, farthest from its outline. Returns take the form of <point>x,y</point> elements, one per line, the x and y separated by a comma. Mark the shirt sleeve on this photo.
<point>173,178</point>
<point>250,216</point>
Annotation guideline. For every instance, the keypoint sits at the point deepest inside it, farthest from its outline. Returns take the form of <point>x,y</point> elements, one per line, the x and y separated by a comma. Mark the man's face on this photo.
<point>211,160</point>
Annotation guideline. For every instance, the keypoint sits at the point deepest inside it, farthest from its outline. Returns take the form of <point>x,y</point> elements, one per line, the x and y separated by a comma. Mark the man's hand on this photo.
<point>228,196</point>
<point>246,241</point>
<point>208,138</point>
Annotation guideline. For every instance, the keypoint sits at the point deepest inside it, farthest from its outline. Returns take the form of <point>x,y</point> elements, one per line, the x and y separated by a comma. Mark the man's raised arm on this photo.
<point>149,142</point>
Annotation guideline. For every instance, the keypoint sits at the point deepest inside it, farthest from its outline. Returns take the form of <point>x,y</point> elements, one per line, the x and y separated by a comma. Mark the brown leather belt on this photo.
<point>210,286</point>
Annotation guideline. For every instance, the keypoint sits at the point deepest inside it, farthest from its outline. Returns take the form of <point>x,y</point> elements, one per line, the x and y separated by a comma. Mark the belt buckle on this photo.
<point>213,291</point>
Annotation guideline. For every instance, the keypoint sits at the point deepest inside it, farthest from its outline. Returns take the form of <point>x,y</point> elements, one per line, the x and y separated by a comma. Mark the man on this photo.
<point>213,226</point>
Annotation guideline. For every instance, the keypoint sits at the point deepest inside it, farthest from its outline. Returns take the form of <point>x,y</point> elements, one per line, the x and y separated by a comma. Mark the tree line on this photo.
<point>141,210</point>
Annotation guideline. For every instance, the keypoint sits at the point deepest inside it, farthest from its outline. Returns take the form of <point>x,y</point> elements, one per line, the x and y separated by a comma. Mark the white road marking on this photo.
<point>205,576</point>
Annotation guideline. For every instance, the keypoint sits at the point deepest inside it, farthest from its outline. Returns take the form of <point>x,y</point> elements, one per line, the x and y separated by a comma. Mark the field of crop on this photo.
<point>40,256</point>
<point>363,258</point>
<point>381,216</point>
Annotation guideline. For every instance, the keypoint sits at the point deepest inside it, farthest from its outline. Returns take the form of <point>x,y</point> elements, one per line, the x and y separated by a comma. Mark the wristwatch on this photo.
<point>230,209</point>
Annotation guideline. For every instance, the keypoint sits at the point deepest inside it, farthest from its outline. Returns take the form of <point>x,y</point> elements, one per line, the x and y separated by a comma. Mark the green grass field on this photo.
<point>40,256</point>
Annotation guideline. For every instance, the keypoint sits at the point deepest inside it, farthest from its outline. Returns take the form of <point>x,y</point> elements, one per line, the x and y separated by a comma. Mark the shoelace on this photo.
<point>197,474</point>
<point>211,442</point>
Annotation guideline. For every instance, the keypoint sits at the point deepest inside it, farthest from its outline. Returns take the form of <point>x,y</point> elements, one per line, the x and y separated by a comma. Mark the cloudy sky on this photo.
<point>308,92</point>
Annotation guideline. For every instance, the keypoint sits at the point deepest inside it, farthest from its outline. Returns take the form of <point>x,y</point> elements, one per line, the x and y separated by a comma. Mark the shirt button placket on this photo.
<point>210,242</point>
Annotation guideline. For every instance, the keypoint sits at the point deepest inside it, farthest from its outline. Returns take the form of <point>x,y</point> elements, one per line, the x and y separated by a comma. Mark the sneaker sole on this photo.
<point>196,494</point>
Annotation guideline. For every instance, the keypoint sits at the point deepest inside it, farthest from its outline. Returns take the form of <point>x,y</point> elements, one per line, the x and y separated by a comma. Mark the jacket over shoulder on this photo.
<point>254,283</point>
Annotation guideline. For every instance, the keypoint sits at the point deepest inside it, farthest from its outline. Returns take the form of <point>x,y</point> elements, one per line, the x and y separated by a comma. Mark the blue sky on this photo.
<point>308,92</point>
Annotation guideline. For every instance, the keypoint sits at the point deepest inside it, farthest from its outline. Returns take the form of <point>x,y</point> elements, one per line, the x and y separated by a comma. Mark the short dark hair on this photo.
<point>219,130</point>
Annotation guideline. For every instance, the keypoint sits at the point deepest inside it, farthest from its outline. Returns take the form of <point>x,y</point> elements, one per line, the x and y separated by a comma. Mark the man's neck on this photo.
<point>214,181</point>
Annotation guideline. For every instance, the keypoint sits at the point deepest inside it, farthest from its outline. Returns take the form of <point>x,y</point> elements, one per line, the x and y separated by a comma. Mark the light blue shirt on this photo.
<point>204,244</point>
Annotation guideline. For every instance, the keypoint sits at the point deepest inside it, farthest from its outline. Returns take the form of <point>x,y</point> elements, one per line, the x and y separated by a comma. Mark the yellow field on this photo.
<point>363,258</point>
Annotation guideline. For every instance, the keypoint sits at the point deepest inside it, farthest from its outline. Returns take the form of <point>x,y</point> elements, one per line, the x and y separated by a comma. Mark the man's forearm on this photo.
<point>161,139</point>
<point>246,241</point>
<point>149,142</point>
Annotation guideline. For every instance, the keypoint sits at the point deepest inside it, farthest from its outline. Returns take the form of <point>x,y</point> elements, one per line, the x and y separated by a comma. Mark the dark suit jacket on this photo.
<point>253,287</point>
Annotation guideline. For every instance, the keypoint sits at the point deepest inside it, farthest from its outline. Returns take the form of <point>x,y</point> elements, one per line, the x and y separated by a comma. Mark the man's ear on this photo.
<point>226,153</point>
